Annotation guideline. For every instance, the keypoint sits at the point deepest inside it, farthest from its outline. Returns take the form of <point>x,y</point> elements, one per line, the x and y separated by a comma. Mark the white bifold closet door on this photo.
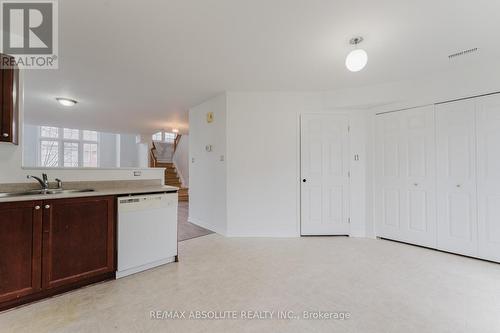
<point>488,176</point>
<point>405,203</point>
<point>456,177</point>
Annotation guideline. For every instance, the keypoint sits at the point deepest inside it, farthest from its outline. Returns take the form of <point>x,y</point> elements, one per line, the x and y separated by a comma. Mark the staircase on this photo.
<point>171,175</point>
<point>172,179</point>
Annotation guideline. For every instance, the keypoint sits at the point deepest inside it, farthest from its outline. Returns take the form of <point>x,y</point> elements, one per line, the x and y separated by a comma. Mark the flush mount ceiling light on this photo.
<point>358,58</point>
<point>66,101</point>
<point>175,130</point>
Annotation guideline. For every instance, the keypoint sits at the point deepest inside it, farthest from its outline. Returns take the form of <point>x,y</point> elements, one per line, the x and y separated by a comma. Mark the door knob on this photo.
<point>304,180</point>
<point>47,206</point>
<point>37,207</point>
<point>458,185</point>
<point>5,135</point>
<point>415,184</point>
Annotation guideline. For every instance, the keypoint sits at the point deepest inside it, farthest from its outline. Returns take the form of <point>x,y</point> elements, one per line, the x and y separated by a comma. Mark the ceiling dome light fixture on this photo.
<point>66,101</point>
<point>358,58</point>
<point>175,130</point>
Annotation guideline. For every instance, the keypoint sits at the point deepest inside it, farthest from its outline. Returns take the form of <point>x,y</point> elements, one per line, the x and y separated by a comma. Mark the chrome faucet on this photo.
<point>44,182</point>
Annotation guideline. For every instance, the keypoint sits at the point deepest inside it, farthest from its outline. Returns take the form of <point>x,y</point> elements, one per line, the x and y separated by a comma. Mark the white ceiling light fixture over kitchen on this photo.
<point>66,101</point>
<point>358,58</point>
<point>175,130</point>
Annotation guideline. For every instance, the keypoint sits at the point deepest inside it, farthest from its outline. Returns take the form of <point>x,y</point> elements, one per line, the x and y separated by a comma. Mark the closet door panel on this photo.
<point>419,176</point>
<point>488,172</point>
<point>389,152</point>
<point>456,177</point>
<point>405,176</point>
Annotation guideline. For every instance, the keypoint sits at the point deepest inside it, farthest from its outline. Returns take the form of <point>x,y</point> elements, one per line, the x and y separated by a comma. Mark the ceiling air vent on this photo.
<point>462,53</point>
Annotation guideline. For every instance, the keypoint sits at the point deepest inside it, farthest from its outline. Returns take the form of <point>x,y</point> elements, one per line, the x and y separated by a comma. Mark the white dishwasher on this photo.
<point>147,232</point>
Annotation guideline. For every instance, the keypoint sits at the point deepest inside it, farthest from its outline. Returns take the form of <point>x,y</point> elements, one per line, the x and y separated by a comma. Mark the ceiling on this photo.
<point>137,66</point>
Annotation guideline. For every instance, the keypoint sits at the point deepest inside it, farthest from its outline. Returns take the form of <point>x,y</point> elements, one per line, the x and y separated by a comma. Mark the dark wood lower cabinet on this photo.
<point>78,239</point>
<point>53,246</point>
<point>20,249</point>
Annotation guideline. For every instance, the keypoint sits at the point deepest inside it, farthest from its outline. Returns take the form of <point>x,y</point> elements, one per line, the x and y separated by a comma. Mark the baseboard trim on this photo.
<point>206,225</point>
<point>130,271</point>
<point>438,250</point>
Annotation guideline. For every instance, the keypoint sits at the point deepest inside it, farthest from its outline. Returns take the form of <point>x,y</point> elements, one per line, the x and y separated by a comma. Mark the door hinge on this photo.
<point>348,220</point>
<point>349,174</point>
<point>348,128</point>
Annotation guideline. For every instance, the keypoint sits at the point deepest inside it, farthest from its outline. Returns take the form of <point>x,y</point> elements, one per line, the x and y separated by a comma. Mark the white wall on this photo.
<point>11,170</point>
<point>181,159</point>
<point>263,193</point>
<point>107,151</point>
<point>128,151</point>
<point>263,162</point>
<point>207,174</point>
<point>30,146</point>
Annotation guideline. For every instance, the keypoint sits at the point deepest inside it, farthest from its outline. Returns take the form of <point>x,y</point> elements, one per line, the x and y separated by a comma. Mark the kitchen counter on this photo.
<point>99,191</point>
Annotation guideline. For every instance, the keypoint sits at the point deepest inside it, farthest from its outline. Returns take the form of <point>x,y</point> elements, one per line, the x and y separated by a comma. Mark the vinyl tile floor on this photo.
<point>382,286</point>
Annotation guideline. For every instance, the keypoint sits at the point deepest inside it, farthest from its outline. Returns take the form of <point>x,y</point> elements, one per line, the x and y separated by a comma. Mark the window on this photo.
<point>157,136</point>
<point>72,134</point>
<point>170,137</point>
<point>90,155</point>
<point>70,154</point>
<point>164,137</point>
<point>49,132</point>
<point>70,148</point>
<point>49,153</point>
<point>90,136</point>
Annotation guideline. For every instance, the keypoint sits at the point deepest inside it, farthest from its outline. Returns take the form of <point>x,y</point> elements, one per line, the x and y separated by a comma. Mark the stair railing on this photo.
<point>176,141</point>
<point>153,161</point>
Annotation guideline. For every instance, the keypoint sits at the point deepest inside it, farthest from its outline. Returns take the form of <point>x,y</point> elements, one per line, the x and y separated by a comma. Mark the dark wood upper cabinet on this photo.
<point>9,103</point>
<point>20,249</point>
<point>78,239</point>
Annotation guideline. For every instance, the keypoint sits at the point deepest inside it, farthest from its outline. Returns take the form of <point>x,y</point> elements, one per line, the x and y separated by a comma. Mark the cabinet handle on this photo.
<point>416,184</point>
<point>37,207</point>
<point>5,135</point>
<point>458,185</point>
<point>47,206</point>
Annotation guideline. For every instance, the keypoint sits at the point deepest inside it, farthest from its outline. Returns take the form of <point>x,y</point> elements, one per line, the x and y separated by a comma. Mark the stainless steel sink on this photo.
<point>43,192</point>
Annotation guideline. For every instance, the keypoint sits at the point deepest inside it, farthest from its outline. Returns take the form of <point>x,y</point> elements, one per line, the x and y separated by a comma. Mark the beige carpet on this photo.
<point>188,230</point>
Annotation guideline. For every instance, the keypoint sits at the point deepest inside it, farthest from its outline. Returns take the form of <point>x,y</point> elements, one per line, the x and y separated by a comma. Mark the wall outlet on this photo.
<point>137,173</point>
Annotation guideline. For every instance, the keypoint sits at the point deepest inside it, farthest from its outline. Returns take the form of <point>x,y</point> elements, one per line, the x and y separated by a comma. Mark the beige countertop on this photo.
<point>98,192</point>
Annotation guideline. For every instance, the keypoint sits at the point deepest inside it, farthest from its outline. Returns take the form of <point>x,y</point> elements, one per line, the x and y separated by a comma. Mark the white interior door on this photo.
<point>456,177</point>
<point>488,177</point>
<point>405,176</point>
<point>325,174</point>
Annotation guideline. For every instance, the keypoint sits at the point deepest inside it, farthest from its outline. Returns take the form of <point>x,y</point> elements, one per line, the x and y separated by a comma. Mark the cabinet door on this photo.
<point>78,239</point>
<point>8,103</point>
<point>20,249</point>
<point>456,177</point>
<point>488,177</point>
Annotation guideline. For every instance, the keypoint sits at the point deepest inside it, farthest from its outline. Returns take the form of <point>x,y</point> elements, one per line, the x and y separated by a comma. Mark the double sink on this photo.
<point>43,192</point>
